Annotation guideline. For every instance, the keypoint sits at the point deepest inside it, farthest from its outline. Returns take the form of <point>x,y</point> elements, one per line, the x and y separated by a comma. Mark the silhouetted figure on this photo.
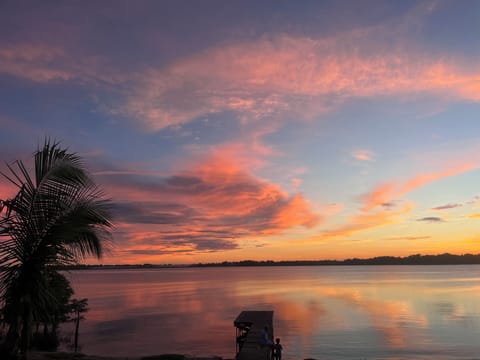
<point>277,350</point>
<point>265,339</point>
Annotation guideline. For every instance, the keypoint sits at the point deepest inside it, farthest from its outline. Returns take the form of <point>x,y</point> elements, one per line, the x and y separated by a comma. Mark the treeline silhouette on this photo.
<point>417,259</point>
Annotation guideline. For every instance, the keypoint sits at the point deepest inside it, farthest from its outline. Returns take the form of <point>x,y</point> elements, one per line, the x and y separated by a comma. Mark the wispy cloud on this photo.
<point>363,155</point>
<point>44,63</point>
<point>282,75</point>
<point>447,207</point>
<point>431,219</point>
<point>388,191</point>
<point>40,63</point>
<point>277,77</point>
<point>296,182</point>
<point>365,221</point>
<point>379,205</point>
<point>408,238</point>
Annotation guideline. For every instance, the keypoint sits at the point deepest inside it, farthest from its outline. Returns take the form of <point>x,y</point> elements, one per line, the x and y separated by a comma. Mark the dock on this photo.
<point>249,325</point>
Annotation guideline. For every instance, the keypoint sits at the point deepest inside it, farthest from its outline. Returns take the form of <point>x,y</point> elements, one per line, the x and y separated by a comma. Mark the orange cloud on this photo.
<point>367,221</point>
<point>386,192</point>
<point>297,213</point>
<point>382,194</point>
<point>358,223</point>
<point>423,179</point>
<point>409,238</point>
<point>213,206</point>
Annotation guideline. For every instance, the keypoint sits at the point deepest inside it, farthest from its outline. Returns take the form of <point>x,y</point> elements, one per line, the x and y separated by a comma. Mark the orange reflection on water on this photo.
<point>387,317</point>
<point>396,322</point>
<point>304,318</point>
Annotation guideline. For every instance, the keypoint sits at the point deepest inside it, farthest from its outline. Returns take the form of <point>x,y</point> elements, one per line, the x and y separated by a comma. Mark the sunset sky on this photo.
<point>230,130</point>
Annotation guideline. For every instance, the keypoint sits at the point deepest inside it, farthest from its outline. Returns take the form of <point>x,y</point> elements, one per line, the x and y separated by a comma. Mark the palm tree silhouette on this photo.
<point>78,307</point>
<point>58,217</point>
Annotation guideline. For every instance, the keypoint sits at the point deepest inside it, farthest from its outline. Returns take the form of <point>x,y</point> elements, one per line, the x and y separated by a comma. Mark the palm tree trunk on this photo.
<point>77,324</point>
<point>10,346</point>
<point>26,330</point>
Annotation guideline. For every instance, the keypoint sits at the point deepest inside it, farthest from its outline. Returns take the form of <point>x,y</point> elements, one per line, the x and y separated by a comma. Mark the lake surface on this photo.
<point>322,312</point>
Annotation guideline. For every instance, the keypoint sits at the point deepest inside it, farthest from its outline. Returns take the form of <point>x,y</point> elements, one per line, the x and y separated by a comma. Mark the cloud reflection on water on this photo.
<point>318,311</point>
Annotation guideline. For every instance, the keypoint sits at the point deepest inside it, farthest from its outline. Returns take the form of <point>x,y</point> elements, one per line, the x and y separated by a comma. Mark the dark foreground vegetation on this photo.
<point>80,356</point>
<point>57,217</point>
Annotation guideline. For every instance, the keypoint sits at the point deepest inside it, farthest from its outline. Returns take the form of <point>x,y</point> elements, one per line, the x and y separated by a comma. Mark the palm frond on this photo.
<point>57,218</point>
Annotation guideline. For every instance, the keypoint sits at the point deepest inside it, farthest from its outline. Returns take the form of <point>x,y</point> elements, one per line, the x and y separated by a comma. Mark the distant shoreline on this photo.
<point>441,259</point>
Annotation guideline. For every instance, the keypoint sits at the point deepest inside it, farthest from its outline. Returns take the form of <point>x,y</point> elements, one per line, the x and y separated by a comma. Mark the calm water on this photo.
<point>351,312</point>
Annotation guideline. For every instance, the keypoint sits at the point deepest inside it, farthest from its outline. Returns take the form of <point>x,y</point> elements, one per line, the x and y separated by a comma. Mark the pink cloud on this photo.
<point>296,182</point>
<point>363,155</point>
<point>272,78</point>
<point>290,75</point>
<point>44,63</point>
<point>7,189</point>
<point>33,62</point>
